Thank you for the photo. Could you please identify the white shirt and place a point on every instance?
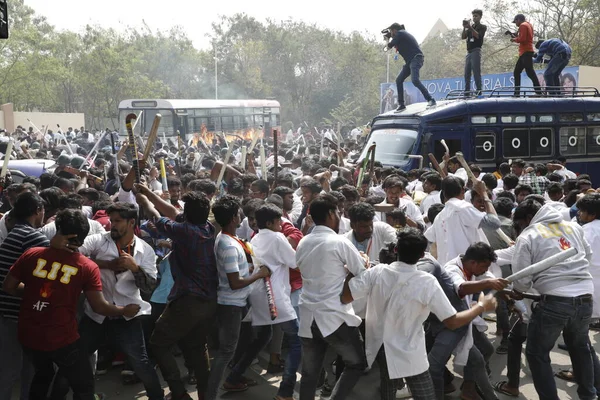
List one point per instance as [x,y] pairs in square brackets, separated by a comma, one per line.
[244,231]
[273,250]
[591,231]
[410,210]
[322,258]
[3,228]
[119,289]
[344,226]
[565,173]
[400,299]
[49,230]
[155,185]
[383,233]
[462,174]
[432,198]
[455,228]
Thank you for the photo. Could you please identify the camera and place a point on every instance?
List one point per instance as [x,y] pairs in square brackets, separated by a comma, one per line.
[512,35]
[387,34]
[466,22]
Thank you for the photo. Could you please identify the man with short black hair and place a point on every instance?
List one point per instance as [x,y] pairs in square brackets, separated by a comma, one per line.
[47,324]
[525,62]
[431,185]
[394,187]
[473,34]
[324,257]
[28,213]
[466,272]
[259,189]
[409,49]
[400,298]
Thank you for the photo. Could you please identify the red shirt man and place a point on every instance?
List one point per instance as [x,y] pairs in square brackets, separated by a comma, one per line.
[53,281]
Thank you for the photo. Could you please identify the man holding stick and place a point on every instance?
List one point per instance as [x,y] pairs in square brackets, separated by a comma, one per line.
[566,295]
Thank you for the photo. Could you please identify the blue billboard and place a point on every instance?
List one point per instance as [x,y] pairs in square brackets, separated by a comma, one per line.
[439,88]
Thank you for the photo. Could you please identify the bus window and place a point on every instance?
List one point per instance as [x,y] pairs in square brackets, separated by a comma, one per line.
[593,140]
[485,146]
[237,122]
[199,112]
[248,110]
[227,123]
[515,143]
[258,120]
[483,119]
[572,141]
[214,124]
[276,120]
[575,117]
[593,117]
[541,118]
[214,111]
[540,142]
[248,122]
[513,119]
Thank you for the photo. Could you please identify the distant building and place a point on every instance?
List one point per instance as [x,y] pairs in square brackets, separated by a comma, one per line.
[438,29]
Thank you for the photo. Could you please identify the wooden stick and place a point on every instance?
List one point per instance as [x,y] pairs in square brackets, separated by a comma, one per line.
[437,166]
[224,167]
[152,136]
[275,156]
[128,124]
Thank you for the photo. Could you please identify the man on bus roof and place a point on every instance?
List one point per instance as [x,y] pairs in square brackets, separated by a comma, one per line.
[557,53]
[525,62]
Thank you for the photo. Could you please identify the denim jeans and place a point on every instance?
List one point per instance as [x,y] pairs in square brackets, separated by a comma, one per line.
[551,316]
[14,363]
[292,361]
[473,64]
[295,299]
[348,343]
[411,69]
[73,365]
[475,370]
[129,337]
[229,319]
[553,70]
[186,321]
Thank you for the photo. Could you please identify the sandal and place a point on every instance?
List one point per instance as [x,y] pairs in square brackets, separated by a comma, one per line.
[499,387]
[565,374]
[235,387]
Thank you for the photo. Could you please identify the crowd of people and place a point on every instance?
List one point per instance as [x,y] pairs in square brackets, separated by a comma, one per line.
[223,254]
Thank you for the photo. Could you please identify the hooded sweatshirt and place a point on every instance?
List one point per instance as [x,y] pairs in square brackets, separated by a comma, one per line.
[542,239]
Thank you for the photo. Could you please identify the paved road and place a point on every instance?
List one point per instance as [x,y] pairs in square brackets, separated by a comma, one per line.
[367,387]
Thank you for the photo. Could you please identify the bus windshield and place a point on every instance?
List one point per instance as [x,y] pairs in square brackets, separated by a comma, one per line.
[166,122]
[393,145]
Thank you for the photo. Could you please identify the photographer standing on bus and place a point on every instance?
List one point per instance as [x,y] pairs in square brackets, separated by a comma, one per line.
[409,49]
[474,35]
[525,61]
[559,53]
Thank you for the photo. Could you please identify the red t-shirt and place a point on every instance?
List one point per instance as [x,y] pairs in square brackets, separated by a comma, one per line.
[53,280]
[289,230]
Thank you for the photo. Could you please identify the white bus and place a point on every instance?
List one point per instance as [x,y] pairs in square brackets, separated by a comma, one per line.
[191,117]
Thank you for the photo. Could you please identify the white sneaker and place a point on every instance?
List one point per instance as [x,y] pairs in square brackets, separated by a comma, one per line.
[403,393]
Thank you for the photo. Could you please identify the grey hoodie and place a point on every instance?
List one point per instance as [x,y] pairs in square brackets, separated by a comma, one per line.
[542,239]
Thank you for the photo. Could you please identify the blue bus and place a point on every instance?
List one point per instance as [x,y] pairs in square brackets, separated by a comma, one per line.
[494,127]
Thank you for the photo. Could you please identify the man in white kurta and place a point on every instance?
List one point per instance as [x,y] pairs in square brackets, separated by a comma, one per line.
[393,191]
[458,225]
[273,250]
[324,259]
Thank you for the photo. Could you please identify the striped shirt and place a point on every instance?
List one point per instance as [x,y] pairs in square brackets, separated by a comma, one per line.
[21,238]
[552,47]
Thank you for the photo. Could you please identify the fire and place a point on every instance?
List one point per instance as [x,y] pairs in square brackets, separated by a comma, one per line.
[246,134]
[564,243]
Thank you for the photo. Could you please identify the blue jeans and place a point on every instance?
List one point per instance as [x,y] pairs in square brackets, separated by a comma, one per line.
[292,361]
[129,337]
[444,344]
[14,363]
[230,320]
[411,69]
[473,64]
[552,74]
[348,343]
[551,316]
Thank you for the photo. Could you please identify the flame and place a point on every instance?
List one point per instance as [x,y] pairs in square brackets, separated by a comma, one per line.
[46,290]
[564,243]
[247,134]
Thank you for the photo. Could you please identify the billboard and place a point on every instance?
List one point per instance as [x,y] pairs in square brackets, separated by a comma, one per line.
[439,88]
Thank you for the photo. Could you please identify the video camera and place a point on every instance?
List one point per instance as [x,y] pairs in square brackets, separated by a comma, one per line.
[512,34]
[387,34]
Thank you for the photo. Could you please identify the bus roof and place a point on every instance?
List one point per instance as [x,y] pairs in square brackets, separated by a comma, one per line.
[193,103]
[452,108]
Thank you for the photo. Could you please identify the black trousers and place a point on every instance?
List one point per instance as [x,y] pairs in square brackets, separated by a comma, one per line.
[73,365]
[525,62]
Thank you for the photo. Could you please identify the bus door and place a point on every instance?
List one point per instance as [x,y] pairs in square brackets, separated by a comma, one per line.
[181,124]
[484,149]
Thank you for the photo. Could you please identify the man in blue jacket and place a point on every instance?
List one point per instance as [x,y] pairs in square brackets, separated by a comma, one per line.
[409,49]
[559,53]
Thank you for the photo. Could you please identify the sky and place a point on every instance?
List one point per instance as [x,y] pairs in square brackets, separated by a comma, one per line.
[195,17]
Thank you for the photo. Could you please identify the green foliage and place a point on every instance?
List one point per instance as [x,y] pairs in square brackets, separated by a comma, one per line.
[319,75]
